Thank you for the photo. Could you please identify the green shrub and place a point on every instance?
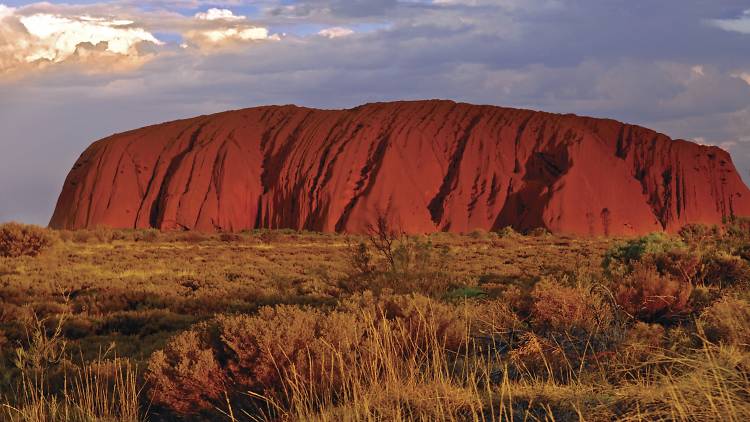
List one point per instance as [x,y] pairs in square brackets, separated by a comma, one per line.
[698,233]
[739,228]
[621,258]
[23,240]
[681,264]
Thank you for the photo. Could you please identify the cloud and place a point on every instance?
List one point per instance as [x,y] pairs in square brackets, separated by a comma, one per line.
[335,32]
[28,42]
[220,36]
[225,29]
[6,11]
[55,38]
[740,24]
[745,76]
[214,14]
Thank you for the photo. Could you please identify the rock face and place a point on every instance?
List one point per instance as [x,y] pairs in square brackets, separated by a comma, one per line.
[425,165]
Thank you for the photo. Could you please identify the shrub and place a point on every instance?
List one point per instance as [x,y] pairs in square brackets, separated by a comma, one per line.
[622,257]
[146,235]
[479,234]
[104,234]
[422,321]
[252,353]
[508,232]
[562,309]
[698,233]
[739,228]
[23,240]
[269,236]
[539,357]
[360,259]
[650,296]
[414,255]
[229,237]
[426,320]
[82,236]
[678,263]
[721,269]
[539,232]
[186,376]
[642,335]
[728,321]
[492,324]
[192,237]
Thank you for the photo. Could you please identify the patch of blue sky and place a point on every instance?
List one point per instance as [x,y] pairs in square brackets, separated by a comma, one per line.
[169,37]
[307,29]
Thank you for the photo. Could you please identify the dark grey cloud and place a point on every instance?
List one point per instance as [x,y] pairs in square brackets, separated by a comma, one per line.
[663,64]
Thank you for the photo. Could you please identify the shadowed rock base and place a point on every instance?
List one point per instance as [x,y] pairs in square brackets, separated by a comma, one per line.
[426,165]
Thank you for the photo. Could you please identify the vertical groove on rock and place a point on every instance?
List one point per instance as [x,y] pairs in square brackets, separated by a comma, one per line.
[437,204]
[156,212]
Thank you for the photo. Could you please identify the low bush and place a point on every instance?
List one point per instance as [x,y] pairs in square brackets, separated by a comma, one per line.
[649,296]
[508,232]
[642,340]
[23,240]
[268,353]
[539,232]
[229,237]
[186,376]
[269,236]
[681,264]
[722,270]
[728,321]
[621,258]
[696,234]
[252,353]
[538,357]
[359,259]
[572,310]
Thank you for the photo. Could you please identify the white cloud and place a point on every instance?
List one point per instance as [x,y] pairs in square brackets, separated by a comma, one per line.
[56,38]
[246,34]
[224,29]
[740,24]
[214,14]
[745,76]
[335,32]
[5,11]
[34,40]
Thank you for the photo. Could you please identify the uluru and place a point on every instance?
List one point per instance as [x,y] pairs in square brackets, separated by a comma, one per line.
[424,165]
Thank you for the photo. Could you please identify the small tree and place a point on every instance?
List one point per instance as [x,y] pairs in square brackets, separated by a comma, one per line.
[384,239]
[23,240]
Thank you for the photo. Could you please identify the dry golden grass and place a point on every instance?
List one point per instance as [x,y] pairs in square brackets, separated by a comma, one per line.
[278,325]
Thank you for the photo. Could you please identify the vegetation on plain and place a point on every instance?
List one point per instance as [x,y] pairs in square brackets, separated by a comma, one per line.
[135,325]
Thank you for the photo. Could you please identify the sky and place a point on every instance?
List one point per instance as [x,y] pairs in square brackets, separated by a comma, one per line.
[76,71]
